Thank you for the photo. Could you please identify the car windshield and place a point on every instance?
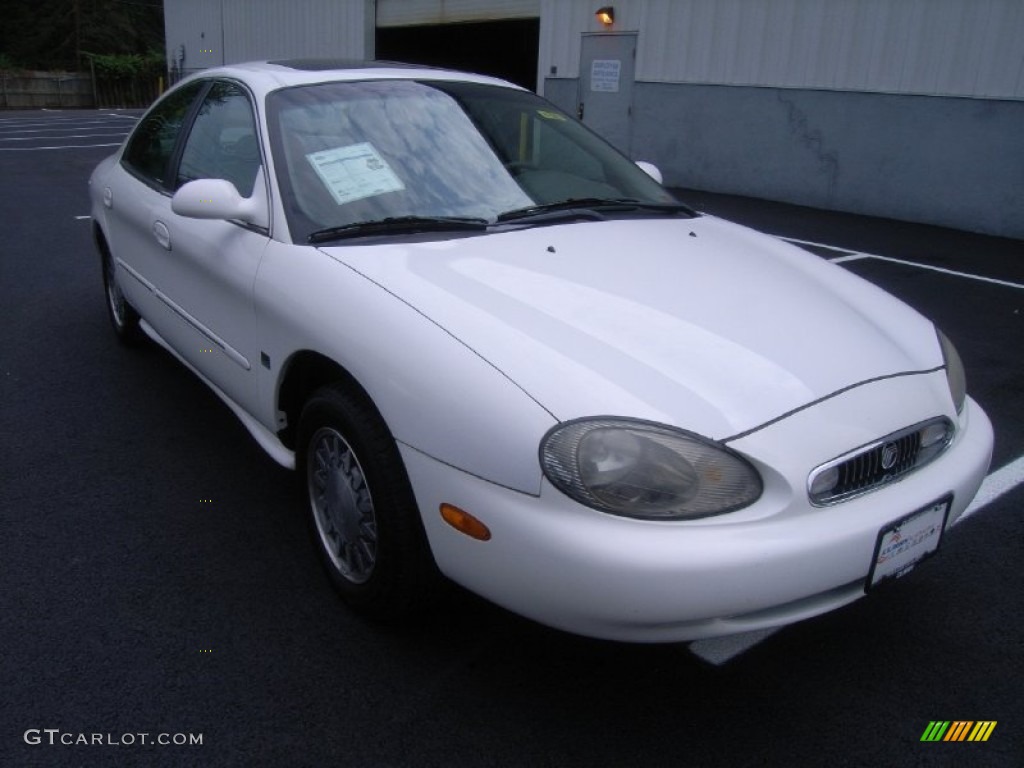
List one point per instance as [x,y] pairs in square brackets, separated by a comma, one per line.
[347,153]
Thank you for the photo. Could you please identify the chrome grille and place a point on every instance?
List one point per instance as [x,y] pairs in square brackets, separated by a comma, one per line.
[878,463]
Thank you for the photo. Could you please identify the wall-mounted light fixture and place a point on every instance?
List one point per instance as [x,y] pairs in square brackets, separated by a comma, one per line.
[606,15]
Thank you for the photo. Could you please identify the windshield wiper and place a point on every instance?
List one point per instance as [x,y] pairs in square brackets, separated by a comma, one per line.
[399,225]
[594,206]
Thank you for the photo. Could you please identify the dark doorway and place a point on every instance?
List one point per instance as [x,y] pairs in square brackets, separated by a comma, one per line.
[506,49]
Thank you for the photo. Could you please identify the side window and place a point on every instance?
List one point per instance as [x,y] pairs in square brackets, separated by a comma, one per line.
[150,147]
[222,143]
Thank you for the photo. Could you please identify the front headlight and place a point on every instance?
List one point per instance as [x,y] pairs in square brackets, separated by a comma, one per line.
[639,469]
[954,371]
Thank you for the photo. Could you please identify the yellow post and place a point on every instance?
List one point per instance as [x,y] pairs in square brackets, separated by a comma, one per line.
[524,124]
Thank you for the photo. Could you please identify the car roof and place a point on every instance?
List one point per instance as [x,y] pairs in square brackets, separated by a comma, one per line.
[262,77]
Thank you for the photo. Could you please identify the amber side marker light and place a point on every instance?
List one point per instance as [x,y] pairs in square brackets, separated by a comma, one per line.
[464,522]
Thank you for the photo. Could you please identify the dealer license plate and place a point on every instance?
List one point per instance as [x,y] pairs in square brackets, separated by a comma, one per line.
[905,543]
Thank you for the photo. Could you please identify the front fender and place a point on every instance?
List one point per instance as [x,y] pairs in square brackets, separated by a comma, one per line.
[436,395]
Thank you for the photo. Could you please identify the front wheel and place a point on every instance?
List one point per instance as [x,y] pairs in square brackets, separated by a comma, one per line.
[363,515]
[123,316]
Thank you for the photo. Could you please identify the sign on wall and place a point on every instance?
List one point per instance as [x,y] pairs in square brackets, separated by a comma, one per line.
[604,75]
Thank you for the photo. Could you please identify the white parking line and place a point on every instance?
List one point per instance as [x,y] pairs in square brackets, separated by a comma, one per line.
[70,146]
[981,278]
[90,128]
[58,138]
[998,483]
[28,126]
[797,241]
[851,255]
[719,650]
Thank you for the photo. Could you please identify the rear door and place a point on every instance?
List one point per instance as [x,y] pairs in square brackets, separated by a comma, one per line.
[136,194]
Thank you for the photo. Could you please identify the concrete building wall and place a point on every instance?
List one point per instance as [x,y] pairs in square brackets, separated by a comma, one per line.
[401,13]
[911,109]
[971,48]
[208,33]
[947,161]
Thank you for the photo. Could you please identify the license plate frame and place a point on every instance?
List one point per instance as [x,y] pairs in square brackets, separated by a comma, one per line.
[904,543]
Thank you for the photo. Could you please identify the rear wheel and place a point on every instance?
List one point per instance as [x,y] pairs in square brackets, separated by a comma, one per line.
[363,515]
[123,316]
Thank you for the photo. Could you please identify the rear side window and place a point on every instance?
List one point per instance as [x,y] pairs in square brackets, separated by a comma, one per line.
[150,147]
[222,143]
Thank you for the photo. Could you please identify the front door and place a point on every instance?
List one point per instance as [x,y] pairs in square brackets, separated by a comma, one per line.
[607,63]
[210,265]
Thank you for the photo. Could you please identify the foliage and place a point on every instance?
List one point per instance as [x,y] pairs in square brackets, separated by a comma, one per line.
[7,63]
[55,34]
[123,66]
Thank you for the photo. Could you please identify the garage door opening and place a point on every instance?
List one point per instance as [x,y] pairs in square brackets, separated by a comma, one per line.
[506,49]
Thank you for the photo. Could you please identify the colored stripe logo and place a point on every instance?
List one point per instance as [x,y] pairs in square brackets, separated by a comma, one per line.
[958,730]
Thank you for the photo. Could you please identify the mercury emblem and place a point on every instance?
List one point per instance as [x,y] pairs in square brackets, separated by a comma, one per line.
[889,455]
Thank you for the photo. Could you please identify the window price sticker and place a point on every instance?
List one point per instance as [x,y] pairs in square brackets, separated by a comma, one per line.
[354,172]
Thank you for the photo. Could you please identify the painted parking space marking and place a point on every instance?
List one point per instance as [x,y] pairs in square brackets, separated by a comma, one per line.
[850,255]
[58,138]
[997,484]
[953,272]
[719,650]
[27,126]
[60,130]
[51,132]
[67,146]
[57,130]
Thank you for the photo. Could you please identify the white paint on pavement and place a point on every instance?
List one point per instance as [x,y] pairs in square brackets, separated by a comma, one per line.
[952,272]
[851,255]
[69,146]
[59,138]
[998,483]
[719,650]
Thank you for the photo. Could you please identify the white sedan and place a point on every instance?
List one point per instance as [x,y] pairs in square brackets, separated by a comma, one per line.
[496,349]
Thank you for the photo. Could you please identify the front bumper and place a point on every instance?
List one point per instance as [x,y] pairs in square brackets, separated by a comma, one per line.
[776,562]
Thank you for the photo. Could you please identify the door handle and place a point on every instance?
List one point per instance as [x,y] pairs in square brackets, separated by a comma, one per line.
[162,234]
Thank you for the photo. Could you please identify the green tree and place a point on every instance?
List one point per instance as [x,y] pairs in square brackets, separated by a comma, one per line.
[56,34]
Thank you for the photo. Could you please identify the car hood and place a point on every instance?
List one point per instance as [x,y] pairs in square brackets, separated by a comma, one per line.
[698,323]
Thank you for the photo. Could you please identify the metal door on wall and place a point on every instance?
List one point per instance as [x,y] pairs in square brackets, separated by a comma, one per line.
[605,100]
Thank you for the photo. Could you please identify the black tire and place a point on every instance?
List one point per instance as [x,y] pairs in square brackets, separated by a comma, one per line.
[363,517]
[123,317]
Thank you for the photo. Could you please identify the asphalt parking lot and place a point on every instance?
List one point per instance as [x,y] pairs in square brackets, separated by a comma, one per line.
[156,580]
